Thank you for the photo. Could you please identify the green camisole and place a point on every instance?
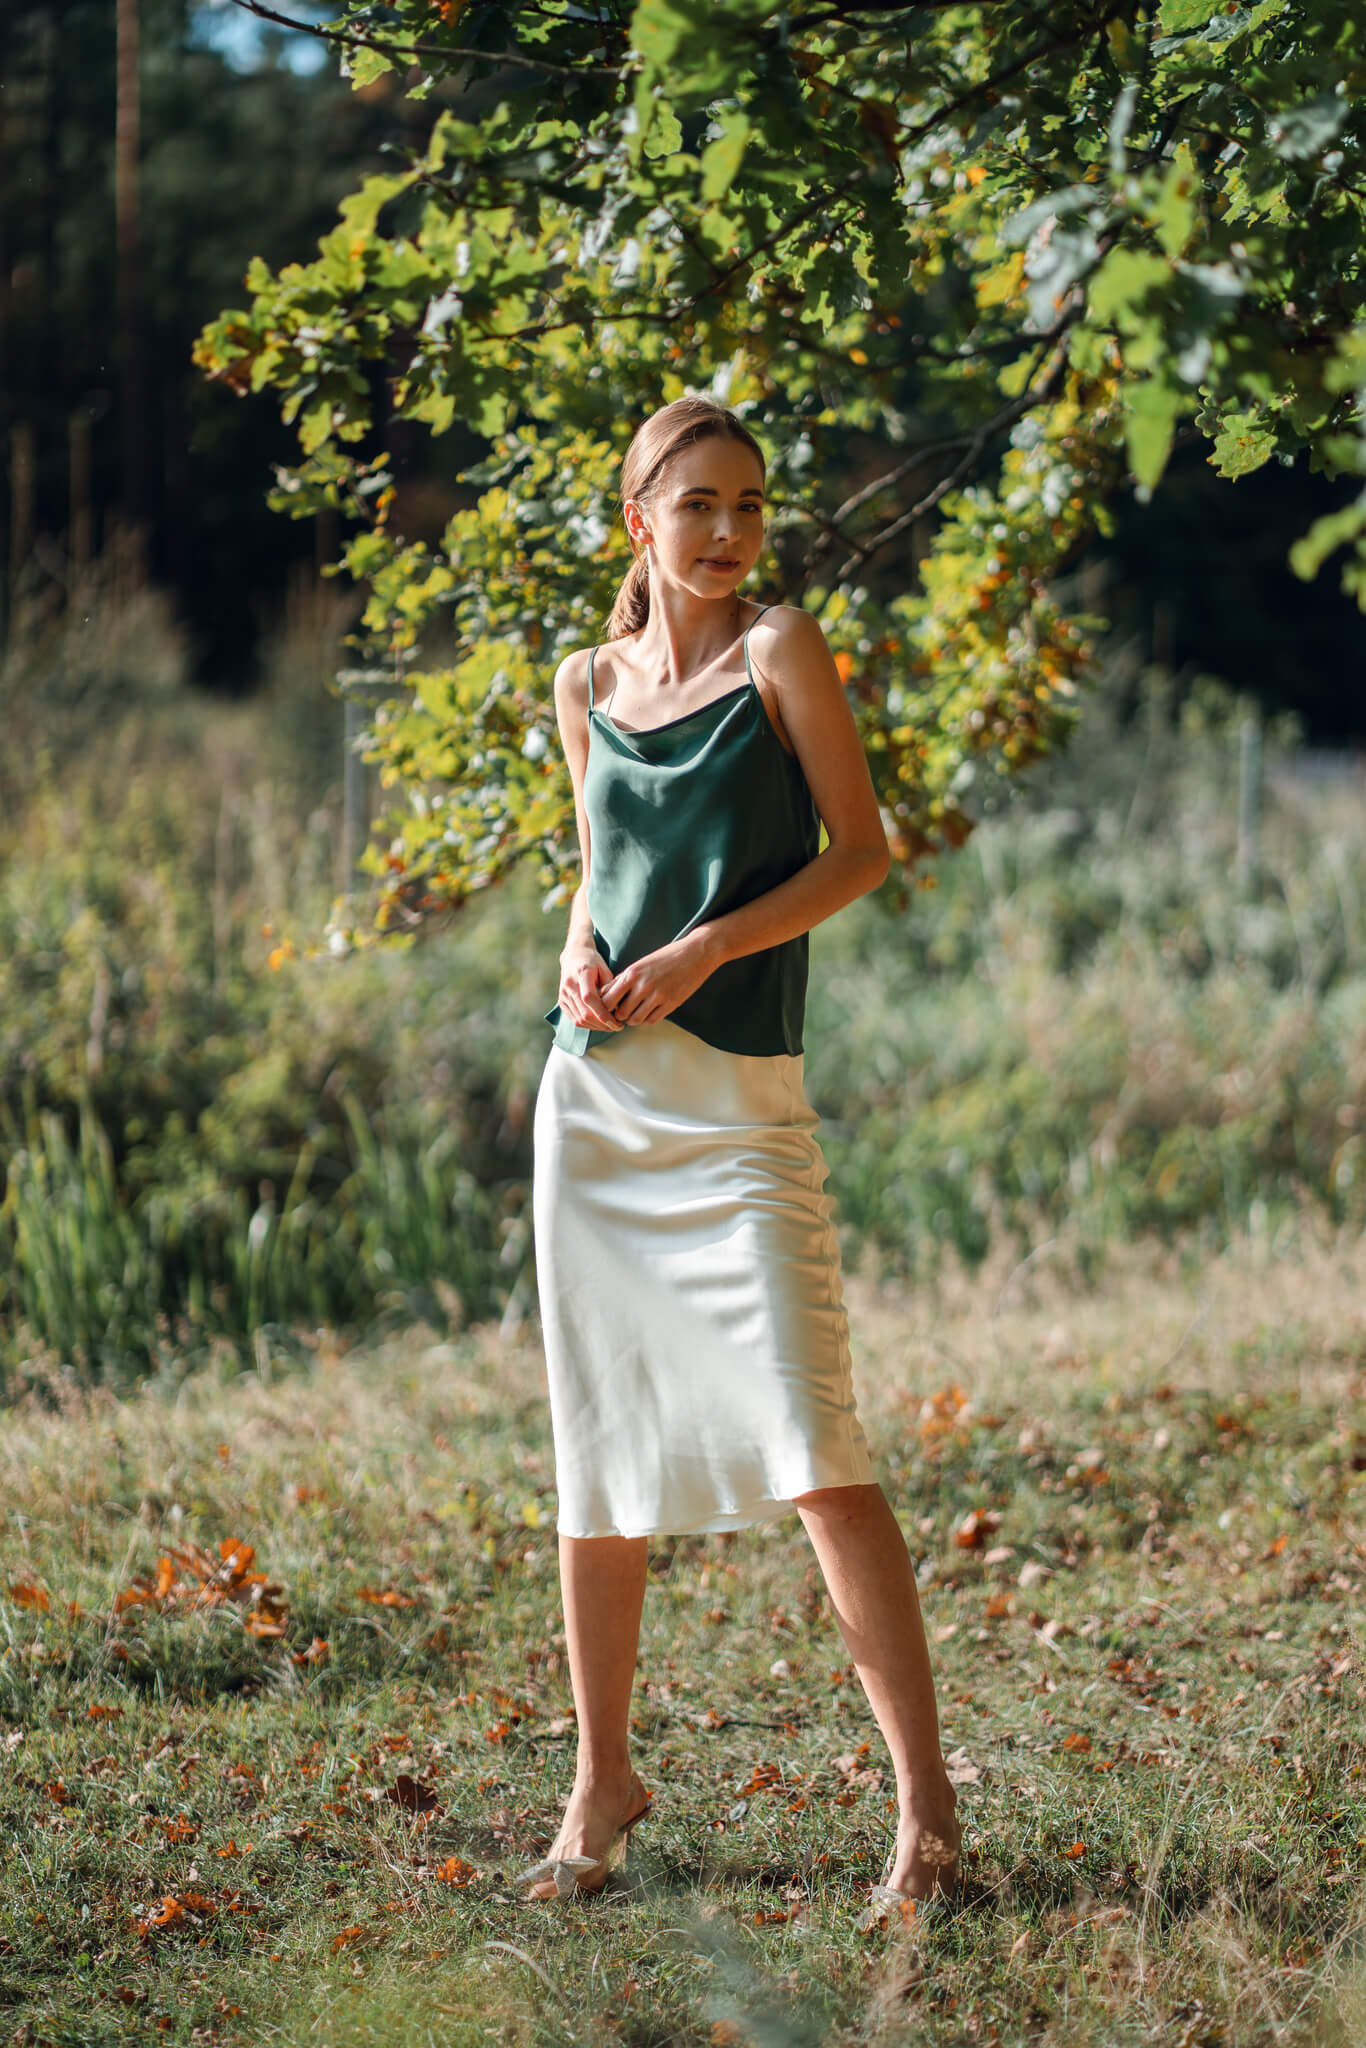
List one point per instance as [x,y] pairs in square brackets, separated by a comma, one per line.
[686,821]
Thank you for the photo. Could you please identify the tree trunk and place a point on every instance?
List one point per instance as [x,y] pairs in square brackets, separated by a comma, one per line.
[23,470]
[78,509]
[6,367]
[132,369]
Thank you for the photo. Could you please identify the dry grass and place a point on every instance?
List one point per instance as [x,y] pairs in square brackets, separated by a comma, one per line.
[1156,1656]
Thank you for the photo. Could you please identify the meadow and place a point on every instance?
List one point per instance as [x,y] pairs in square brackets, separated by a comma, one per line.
[283,1702]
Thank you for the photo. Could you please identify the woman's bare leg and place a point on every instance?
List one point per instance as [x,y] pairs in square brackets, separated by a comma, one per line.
[862,1553]
[602,1580]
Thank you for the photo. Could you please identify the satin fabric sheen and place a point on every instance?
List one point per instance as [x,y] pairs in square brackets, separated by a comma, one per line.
[687,821]
[696,1339]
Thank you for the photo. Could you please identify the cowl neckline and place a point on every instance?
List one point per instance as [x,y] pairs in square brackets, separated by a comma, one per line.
[647,732]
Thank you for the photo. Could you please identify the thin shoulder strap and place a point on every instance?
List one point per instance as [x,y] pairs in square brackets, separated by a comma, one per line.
[591,652]
[748,630]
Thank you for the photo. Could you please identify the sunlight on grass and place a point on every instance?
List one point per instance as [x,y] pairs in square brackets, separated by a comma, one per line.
[1139,1522]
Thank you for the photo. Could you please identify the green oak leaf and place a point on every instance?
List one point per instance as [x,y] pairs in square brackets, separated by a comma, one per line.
[1242,444]
[1151,409]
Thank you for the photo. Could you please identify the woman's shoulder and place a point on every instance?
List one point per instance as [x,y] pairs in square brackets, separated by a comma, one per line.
[571,677]
[784,624]
[784,637]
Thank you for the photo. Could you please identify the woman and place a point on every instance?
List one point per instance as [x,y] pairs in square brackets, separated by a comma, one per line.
[696,1340]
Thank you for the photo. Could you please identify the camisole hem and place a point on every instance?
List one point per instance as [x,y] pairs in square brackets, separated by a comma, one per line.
[591,1038]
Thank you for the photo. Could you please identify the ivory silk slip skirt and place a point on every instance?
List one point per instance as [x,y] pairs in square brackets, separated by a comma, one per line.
[696,1339]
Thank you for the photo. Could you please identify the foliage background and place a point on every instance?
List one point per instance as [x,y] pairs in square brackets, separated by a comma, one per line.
[971,263]
[244,152]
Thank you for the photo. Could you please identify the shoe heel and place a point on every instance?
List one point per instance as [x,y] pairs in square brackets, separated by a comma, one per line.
[628,1827]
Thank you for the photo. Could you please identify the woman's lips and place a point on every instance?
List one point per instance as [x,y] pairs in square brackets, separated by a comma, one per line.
[720,561]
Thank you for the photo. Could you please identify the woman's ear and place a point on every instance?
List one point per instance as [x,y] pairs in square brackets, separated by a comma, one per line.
[636,525]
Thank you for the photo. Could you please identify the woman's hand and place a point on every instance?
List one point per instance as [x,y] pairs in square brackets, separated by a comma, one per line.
[583,972]
[651,987]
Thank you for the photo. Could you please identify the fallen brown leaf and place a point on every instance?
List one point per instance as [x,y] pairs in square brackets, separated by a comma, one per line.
[940,1412]
[975,1527]
[189,1576]
[412,1796]
[173,1910]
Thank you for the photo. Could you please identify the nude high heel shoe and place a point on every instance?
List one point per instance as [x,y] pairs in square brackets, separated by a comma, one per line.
[572,1874]
[887,1898]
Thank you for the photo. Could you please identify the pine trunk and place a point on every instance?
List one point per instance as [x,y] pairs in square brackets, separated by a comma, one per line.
[132,369]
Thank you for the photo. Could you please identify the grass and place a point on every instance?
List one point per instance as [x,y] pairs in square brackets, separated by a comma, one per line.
[289,1809]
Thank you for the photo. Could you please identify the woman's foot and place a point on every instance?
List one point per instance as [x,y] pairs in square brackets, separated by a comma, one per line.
[596,1813]
[924,1863]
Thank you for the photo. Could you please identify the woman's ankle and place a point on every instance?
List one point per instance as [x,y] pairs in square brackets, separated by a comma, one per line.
[602,1780]
[928,1800]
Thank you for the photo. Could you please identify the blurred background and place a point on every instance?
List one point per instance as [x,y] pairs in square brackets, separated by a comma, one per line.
[1134,1003]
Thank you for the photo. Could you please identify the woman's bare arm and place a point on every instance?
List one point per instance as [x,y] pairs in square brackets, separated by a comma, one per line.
[800,669]
[583,971]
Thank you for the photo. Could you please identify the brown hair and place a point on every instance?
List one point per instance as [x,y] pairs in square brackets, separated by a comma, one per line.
[675,426]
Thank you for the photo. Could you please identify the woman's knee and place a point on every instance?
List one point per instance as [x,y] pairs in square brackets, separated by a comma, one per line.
[846,1502]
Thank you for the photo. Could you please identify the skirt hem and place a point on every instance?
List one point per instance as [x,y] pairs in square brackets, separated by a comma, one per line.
[768,1509]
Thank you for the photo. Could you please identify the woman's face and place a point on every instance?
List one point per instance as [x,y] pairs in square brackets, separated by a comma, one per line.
[704,518]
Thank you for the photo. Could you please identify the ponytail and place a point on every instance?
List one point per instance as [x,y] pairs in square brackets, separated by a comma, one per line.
[632,607]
